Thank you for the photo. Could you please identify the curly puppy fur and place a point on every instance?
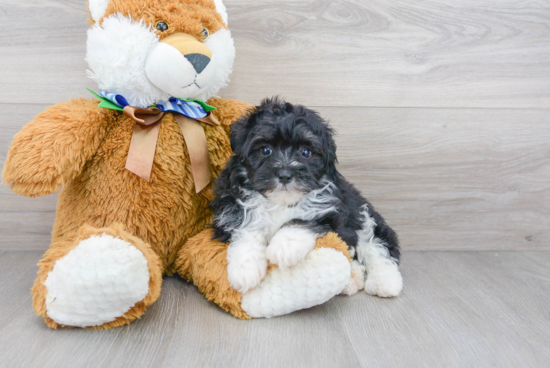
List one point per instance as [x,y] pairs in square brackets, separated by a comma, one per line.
[281,190]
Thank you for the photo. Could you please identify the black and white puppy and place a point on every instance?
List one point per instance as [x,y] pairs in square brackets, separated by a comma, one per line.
[280,191]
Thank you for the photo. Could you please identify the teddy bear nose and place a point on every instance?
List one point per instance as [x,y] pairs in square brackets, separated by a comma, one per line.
[198,61]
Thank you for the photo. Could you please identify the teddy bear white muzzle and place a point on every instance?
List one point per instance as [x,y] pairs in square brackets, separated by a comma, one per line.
[127,57]
[179,65]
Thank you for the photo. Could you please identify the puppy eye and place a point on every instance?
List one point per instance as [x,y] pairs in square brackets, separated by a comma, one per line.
[305,152]
[205,34]
[161,25]
[266,151]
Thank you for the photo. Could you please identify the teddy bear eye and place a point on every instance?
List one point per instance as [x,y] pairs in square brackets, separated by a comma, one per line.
[266,151]
[205,34]
[161,25]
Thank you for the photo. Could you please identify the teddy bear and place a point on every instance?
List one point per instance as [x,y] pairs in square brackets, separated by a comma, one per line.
[136,163]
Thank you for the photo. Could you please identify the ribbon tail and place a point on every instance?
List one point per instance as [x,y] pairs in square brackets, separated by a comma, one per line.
[142,150]
[209,119]
[197,147]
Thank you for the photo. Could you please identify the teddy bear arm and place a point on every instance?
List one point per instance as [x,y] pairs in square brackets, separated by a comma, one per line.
[54,146]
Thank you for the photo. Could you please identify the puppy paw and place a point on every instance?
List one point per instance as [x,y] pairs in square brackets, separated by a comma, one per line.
[384,281]
[356,281]
[290,245]
[245,268]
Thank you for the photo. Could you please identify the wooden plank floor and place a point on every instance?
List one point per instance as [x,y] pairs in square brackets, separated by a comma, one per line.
[458,309]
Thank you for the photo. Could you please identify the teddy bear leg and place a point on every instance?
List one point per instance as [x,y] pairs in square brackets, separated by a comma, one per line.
[324,273]
[97,278]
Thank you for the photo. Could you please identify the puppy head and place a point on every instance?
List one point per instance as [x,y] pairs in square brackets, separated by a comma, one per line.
[286,149]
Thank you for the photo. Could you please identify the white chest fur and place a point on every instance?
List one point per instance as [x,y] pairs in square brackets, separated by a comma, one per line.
[259,237]
[268,214]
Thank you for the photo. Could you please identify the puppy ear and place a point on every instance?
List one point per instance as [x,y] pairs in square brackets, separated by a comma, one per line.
[239,132]
[235,137]
[330,155]
[325,133]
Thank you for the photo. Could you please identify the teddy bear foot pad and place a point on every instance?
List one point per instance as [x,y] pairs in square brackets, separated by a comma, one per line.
[97,282]
[322,275]
[96,278]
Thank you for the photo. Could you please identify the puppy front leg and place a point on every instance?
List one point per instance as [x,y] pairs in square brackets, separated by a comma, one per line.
[293,242]
[246,260]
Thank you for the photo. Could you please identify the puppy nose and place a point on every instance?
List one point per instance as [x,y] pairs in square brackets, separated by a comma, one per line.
[285,176]
[198,61]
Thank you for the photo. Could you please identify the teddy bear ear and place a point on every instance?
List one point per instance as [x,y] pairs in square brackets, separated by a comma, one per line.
[220,8]
[97,8]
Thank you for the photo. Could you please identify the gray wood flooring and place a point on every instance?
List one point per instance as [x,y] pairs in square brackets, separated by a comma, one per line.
[458,309]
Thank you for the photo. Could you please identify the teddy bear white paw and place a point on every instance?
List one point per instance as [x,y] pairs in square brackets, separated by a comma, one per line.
[246,266]
[290,245]
[96,282]
[322,275]
[384,281]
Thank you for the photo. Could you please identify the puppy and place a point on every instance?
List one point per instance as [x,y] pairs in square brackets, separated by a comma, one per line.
[280,191]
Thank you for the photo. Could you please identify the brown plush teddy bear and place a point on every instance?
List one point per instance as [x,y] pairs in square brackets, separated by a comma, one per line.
[135,167]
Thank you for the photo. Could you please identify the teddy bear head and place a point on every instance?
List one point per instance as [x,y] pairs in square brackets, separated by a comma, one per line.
[151,50]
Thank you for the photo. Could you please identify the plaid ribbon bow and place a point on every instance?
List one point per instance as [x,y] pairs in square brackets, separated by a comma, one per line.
[187,113]
[191,108]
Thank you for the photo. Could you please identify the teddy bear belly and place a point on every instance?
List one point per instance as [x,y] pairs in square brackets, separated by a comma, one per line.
[163,212]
